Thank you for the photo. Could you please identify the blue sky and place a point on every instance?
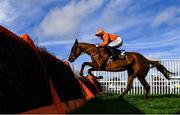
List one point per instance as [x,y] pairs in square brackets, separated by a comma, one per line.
[151,27]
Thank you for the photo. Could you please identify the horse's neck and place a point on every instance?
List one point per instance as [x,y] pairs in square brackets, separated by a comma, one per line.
[86,48]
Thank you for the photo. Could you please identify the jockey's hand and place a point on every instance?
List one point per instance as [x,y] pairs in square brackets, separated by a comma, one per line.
[99,46]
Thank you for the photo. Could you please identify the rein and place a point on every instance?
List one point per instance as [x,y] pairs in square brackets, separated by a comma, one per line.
[94,53]
[88,50]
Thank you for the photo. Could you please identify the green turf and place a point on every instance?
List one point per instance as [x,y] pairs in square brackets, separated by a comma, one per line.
[167,104]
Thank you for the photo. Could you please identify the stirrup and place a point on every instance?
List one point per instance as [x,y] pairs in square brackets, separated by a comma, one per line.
[113,58]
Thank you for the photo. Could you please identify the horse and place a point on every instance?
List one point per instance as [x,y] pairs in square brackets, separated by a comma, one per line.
[136,64]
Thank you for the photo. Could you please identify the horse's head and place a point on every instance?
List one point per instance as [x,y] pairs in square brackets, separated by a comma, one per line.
[75,52]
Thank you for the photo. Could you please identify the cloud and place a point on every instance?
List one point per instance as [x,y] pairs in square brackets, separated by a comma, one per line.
[6,16]
[170,15]
[53,43]
[155,44]
[165,40]
[81,19]
[113,9]
[21,15]
[64,22]
[112,17]
[107,17]
[157,55]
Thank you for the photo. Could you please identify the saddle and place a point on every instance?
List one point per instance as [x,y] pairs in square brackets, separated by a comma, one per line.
[116,53]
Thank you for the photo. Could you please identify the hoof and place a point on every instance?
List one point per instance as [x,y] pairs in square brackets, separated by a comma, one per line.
[99,77]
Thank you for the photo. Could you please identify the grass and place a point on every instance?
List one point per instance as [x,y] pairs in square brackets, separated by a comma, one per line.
[158,104]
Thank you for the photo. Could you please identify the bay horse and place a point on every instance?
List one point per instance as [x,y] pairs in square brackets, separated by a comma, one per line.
[135,64]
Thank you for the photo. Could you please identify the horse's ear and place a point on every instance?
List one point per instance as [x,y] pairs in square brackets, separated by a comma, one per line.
[76,41]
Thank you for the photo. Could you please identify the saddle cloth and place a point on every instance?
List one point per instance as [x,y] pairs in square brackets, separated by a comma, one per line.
[122,54]
[119,54]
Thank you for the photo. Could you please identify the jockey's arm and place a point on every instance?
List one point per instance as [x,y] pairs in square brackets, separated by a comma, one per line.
[103,45]
[105,41]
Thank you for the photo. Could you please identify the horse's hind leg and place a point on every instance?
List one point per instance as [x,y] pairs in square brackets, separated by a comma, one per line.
[129,85]
[145,85]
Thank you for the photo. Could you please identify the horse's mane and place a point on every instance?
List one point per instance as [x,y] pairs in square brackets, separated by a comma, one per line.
[90,45]
[86,43]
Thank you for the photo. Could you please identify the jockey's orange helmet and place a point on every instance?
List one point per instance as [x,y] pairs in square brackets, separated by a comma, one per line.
[99,32]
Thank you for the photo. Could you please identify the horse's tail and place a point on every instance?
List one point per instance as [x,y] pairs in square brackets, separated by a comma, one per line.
[161,68]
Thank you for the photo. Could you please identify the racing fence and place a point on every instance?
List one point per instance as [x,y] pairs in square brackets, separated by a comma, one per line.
[116,82]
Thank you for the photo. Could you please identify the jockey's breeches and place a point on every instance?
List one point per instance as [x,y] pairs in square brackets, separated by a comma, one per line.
[117,43]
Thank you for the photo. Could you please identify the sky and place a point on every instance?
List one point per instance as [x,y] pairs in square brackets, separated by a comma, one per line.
[150,27]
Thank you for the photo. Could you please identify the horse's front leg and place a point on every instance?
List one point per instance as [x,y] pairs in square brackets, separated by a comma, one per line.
[90,73]
[83,65]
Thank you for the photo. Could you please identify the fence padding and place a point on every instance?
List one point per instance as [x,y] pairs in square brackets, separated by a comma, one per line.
[88,94]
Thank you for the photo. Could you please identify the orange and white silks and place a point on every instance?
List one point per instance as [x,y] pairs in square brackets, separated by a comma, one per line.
[109,39]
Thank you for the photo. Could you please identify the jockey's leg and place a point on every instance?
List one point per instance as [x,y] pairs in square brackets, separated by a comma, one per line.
[112,53]
[117,43]
[112,47]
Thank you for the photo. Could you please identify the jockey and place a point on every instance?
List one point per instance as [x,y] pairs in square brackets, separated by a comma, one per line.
[110,41]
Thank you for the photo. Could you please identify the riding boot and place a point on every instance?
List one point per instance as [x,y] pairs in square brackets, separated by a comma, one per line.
[112,53]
